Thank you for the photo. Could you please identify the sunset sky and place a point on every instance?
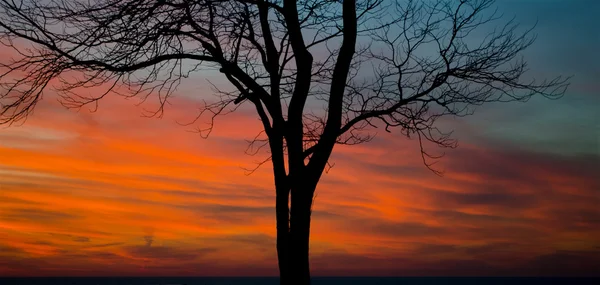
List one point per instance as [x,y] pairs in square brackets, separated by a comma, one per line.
[114,193]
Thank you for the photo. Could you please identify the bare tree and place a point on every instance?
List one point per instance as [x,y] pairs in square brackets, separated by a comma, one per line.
[369,64]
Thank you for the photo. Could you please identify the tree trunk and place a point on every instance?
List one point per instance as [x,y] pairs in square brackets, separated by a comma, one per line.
[282,212]
[293,238]
[299,235]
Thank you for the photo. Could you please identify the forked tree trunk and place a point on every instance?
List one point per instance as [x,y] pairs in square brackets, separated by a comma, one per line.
[293,240]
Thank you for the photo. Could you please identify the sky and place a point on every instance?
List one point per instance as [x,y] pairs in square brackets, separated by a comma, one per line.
[113,193]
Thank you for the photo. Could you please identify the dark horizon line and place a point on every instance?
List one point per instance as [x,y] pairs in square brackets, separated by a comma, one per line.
[277,277]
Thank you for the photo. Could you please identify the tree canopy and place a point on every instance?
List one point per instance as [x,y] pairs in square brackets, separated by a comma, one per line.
[373,63]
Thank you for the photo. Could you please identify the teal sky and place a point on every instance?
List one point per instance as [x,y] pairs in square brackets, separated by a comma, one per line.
[568,44]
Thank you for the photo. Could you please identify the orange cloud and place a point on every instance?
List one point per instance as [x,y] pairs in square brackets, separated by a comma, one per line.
[114,193]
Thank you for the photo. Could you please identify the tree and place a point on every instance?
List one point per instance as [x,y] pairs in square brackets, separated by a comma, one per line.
[370,64]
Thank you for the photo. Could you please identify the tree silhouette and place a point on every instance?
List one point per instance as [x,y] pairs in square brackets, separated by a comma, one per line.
[369,64]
